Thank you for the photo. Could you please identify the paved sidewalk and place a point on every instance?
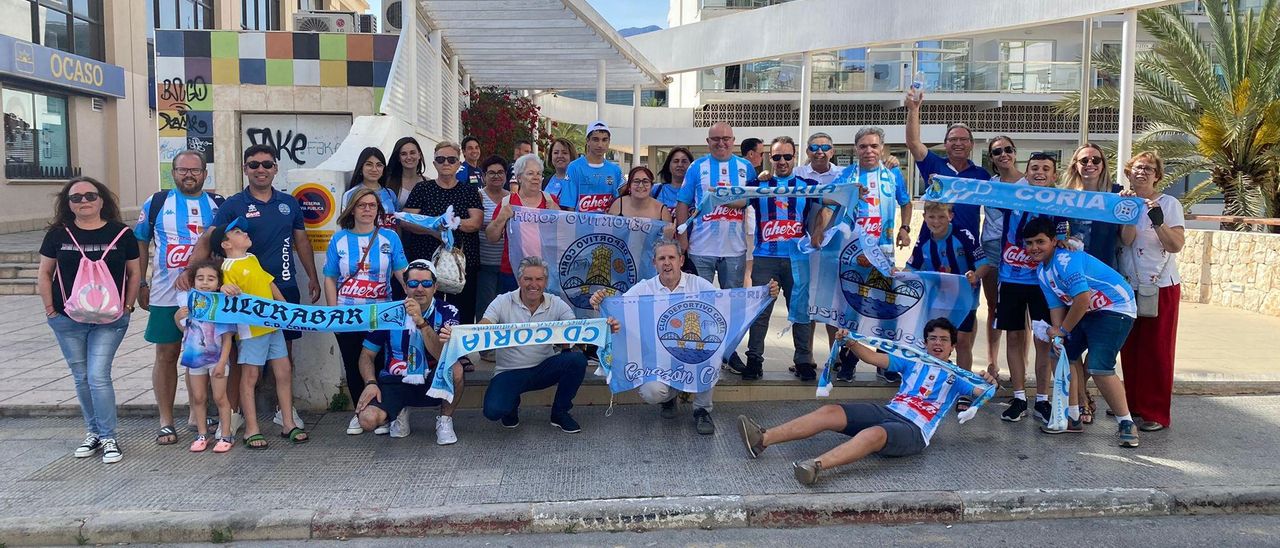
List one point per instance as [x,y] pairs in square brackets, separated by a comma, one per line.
[1215,344]
[630,466]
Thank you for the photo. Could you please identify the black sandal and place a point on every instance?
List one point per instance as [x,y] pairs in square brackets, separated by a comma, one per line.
[166,431]
[467,366]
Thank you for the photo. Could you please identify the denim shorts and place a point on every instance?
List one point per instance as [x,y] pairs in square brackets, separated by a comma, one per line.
[1102,333]
[257,351]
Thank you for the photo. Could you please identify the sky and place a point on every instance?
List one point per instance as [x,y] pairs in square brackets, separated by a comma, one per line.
[619,13]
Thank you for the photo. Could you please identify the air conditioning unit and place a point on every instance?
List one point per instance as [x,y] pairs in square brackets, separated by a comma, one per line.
[367,23]
[392,16]
[324,21]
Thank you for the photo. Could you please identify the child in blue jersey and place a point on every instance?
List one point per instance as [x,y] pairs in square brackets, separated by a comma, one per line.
[1092,308]
[901,428]
[953,250]
[593,181]
[206,353]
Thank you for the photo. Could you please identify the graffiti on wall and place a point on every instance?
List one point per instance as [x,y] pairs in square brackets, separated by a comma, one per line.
[300,140]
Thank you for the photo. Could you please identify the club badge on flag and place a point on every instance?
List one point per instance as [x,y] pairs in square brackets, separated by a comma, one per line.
[465,339]
[585,252]
[692,332]
[1075,204]
[251,310]
[863,300]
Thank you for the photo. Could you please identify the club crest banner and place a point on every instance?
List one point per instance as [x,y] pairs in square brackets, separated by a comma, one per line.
[864,300]
[1075,204]
[692,332]
[585,252]
[465,339]
[251,310]
[912,354]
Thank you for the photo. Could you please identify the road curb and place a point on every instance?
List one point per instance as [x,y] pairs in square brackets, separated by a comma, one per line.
[636,514]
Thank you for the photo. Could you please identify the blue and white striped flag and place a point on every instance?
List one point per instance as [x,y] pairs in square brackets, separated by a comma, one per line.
[585,252]
[863,300]
[692,331]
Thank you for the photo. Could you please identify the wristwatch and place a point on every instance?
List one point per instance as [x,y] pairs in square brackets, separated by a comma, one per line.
[373,381]
[906,228]
[144,284]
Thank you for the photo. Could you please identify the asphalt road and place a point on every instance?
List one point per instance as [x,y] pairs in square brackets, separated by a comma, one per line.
[1216,531]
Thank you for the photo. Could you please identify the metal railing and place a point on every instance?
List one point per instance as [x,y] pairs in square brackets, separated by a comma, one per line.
[837,76]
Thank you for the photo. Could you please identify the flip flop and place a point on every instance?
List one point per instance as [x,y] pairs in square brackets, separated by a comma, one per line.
[249,442]
[166,431]
[293,436]
[224,445]
[467,366]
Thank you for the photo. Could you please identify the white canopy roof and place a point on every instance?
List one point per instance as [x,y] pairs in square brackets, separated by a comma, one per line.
[537,44]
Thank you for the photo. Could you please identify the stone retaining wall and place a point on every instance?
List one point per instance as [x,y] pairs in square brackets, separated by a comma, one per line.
[1233,269]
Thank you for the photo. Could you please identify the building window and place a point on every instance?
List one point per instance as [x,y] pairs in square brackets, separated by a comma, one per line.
[182,14]
[945,64]
[73,26]
[260,14]
[36,135]
[1026,65]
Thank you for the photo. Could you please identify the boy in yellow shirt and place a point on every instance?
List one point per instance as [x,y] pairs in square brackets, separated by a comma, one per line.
[259,346]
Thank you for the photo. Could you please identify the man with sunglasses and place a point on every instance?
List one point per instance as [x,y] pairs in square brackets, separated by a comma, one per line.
[958,143]
[593,181]
[274,223]
[385,394]
[1019,294]
[716,241]
[779,223]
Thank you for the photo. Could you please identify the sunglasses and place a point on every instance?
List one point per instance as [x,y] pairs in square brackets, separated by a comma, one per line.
[816,148]
[86,197]
[1095,160]
[254,164]
[412,284]
[446,160]
[782,157]
[1001,151]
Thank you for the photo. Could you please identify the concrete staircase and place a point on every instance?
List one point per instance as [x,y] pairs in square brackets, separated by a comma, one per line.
[18,272]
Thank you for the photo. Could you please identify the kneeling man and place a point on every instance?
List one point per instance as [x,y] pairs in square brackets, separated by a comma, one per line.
[901,428]
[385,395]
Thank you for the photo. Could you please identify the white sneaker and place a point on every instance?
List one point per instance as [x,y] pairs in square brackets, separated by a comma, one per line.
[353,427]
[444,431]
[400,426]
[382,429]
[297,420]
[110,451]
[237,421]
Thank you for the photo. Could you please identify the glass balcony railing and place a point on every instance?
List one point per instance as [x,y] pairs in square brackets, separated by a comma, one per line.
[893,76]
[739,4]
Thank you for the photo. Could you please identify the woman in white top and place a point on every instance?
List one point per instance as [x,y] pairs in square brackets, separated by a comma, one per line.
[1148,258]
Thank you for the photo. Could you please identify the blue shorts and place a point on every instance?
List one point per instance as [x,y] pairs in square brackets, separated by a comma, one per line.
[1102,333]
[257,351]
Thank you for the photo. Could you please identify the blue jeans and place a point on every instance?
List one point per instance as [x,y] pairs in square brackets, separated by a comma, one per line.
[564,371]
[489,280]
[730,269]
[89,349]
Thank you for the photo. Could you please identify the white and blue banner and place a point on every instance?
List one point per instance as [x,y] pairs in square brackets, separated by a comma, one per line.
[250,310]
[445,224]
[864,300]
[692,332]
[585,252]
[912,354]
[1061,387]
[844,194]
[465,339]
[1075,204]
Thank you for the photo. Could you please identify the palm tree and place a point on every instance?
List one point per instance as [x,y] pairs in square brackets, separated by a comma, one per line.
[1208,106]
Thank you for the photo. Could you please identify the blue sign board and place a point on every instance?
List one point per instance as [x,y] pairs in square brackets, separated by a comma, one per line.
[34,62]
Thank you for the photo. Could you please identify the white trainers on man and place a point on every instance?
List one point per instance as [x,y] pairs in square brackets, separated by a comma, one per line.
[444,431]
[400,426]
[353,427]
[297,420]
[237,421]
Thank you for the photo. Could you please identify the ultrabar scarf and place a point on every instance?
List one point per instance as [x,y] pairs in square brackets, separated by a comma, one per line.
[465,339]
[251,310]
[1075,204]
[912,354]
[692,331]
[445,223]
[584,252]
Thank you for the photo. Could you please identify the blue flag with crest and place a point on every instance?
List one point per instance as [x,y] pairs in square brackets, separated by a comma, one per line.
[678,338]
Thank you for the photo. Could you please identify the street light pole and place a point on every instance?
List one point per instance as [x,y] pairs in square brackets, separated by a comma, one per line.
[1128,50]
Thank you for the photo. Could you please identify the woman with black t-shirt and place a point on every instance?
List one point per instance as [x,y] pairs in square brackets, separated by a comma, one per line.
[432,198]
[86,225]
